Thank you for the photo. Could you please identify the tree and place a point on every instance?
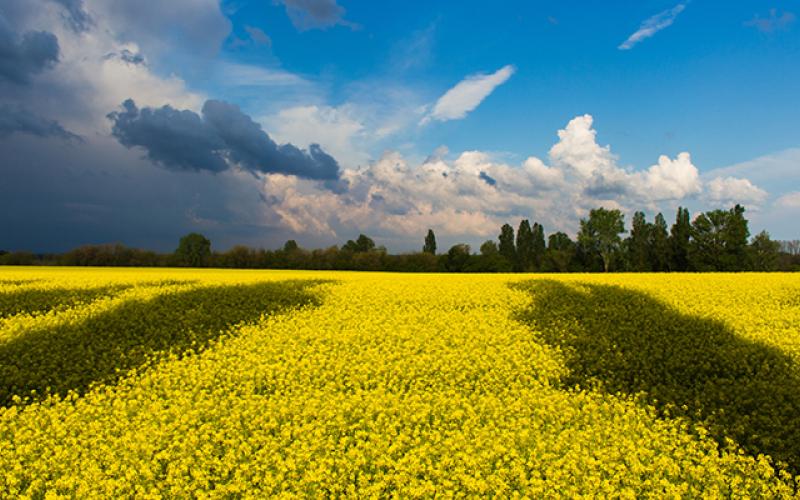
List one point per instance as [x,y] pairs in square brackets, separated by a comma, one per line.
[764,253]
[638,243]
[430,243]
[679,237]
[659,245]
[539,246]
[707,246]
[291,246]
[560,251]
[600,233]
[736,236]
[506,247]
[524,246]
[489,248]
[719,241]
[193,250]
[362,244]
[457,258]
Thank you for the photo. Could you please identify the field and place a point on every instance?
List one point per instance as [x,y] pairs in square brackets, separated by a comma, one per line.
[172,383]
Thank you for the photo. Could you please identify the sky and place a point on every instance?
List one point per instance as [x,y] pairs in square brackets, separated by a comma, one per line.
[257,121]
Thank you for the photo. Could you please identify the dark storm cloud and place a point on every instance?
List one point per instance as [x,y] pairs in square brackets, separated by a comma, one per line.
[183,140]
[76,16]
[22,57]
[310,14]
[487,179]
[175,139]
[15,119]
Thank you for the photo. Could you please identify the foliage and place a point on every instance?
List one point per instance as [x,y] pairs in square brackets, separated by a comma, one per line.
[600,234]
[193,250]
[430,243]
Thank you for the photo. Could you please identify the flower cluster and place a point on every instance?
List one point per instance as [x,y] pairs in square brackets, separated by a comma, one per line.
[358,384]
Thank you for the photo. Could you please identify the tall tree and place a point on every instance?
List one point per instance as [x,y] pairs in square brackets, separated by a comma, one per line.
[194,250]
[539,246]
[659,245]
[736,237]
[600,233]
[764,253]
[560,251]
[506,247]
[430,243]
[707,246]
[679,241]
[638,244]
[524,246]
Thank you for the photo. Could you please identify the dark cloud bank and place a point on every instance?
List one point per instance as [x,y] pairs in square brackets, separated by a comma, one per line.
[14,118]
[21,57]
[221,136]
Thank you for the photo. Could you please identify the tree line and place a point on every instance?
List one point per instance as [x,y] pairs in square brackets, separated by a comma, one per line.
[717,240]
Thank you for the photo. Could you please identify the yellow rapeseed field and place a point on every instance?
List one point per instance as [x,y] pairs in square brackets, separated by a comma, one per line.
[173,383]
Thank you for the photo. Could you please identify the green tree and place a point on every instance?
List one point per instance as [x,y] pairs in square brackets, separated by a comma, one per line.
[707,246]
[457,258]
[736,238]
[524,246]
[764,253]
[362,244]
[489,248]
[291,246]
[506,247]
[430,243]
[679,237]
[560,252]
[638,243]
[659,245]
[539,246]
[600,233]
[194,250]
[719,241]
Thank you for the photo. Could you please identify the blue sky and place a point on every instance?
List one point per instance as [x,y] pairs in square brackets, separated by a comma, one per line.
[564,105]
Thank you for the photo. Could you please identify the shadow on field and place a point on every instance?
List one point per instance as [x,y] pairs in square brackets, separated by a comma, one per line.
[42,300]
[626,341]
[102,348]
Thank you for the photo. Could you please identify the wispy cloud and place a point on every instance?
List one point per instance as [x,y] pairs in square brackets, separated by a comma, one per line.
[772,23]
[653,25]
[467,95]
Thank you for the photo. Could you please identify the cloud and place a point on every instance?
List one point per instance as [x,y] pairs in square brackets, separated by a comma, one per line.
[772,23]
[22,57]
[259,76]
[76,16]
[258,36]
[731,190]
[316,14]
[653,25]
[671,179]
[467,95]
[337,129]
[577,149]
[472,195]
[223,135]
[15,119]
[789,200]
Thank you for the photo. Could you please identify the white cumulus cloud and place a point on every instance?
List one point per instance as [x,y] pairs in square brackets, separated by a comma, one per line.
[734,190]
[471,196]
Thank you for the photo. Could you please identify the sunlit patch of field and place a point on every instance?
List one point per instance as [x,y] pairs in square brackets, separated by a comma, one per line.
[183,382]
